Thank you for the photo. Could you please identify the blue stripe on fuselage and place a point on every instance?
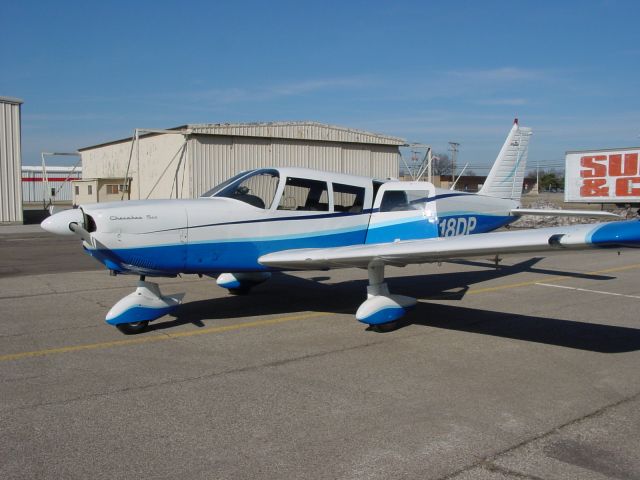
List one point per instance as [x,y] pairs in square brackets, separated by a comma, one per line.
[229,255]
[238,255]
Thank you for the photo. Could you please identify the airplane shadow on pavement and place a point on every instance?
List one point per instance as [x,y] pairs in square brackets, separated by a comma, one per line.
[288,294]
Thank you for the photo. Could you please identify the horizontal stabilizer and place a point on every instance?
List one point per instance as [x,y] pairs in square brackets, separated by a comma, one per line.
[563,213]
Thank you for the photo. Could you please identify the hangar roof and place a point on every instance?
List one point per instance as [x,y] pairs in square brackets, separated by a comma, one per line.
[11,100]
[287,130]
[297,131]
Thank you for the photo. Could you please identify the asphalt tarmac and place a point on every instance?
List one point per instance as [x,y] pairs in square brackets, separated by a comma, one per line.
[528,371]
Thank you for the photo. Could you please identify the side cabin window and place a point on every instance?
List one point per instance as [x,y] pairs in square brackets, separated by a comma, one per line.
[347,198]
[302,194]
[402,201]
[257,189]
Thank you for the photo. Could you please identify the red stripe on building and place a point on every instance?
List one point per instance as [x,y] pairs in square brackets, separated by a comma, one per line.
[51,179]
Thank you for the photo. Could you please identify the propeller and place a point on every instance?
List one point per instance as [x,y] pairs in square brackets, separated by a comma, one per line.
[80,231]
[67,222]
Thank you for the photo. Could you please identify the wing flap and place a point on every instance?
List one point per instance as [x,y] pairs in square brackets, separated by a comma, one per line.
[563,213]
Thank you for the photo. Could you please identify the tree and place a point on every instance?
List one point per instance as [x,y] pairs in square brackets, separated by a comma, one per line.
[550,179]
[442,164]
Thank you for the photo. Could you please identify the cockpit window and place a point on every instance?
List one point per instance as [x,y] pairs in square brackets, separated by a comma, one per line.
[257,188]
[220,186]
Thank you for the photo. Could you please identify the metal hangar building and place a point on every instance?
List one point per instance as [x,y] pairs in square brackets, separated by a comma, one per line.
[10,161]
[186,161]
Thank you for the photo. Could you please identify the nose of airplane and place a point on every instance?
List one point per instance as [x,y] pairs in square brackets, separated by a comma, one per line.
[59,223]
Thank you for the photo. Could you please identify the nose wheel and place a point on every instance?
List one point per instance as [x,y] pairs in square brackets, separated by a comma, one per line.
[133,328]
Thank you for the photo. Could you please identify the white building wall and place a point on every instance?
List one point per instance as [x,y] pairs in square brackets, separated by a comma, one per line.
[385,162]
[217,152]
[10,161]
[158,165]
[326,156]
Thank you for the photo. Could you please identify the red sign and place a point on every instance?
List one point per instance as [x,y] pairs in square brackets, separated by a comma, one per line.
[600,173]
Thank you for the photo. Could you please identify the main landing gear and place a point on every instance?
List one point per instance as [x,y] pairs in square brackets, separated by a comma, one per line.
[241,283]
[133,313]
[382,309]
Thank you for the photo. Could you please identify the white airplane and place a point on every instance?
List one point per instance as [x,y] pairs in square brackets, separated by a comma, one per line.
[276,219]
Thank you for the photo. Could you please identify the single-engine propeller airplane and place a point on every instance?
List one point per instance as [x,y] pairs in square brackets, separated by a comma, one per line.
[274,219]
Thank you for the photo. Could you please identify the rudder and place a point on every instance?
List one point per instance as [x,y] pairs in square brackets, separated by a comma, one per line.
[507,174]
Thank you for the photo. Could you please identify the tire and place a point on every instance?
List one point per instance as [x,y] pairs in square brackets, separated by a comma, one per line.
[385,327]
[239,291]
[133,328]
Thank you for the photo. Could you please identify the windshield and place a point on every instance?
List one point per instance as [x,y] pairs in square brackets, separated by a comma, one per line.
[220,186]
[257,188]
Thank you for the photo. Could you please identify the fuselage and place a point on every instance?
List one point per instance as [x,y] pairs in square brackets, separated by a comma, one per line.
[269,210]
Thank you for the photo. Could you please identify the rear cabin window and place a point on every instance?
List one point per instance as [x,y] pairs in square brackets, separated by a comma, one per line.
[347,198]
[302,194]
[401,201]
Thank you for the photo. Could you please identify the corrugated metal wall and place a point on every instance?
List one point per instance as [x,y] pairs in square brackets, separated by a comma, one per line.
[10,161]
[33,184]
[216,158]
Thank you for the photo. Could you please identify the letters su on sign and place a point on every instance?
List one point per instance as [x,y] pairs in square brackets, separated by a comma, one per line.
[601,173]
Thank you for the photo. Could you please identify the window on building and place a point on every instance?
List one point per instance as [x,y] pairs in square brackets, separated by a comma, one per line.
[76,189]
[112,189]
[90,189]
[347,198]
[304,194]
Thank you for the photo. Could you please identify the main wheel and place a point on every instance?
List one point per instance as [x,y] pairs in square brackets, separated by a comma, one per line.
[133,328]
[239,290]
[385,327]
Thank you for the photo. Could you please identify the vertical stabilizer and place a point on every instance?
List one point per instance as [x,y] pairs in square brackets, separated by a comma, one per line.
[507,174]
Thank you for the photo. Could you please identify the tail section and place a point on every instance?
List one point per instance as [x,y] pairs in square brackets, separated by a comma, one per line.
[507,174]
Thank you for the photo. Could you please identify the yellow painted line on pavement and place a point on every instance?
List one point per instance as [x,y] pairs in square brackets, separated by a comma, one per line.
[557,278]
[139,340]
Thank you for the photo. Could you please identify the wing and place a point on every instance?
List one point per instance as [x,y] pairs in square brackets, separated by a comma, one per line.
[611,234]
[563,213]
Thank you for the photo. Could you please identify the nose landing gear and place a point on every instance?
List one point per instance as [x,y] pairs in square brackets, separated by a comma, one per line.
[133,313]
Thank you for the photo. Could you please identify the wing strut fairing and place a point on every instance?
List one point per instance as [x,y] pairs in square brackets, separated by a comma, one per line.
[540,212]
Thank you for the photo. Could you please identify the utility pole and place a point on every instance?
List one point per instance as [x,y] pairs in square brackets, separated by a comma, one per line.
[453,148]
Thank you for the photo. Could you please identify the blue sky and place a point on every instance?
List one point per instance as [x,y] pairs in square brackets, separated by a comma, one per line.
[427,71]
